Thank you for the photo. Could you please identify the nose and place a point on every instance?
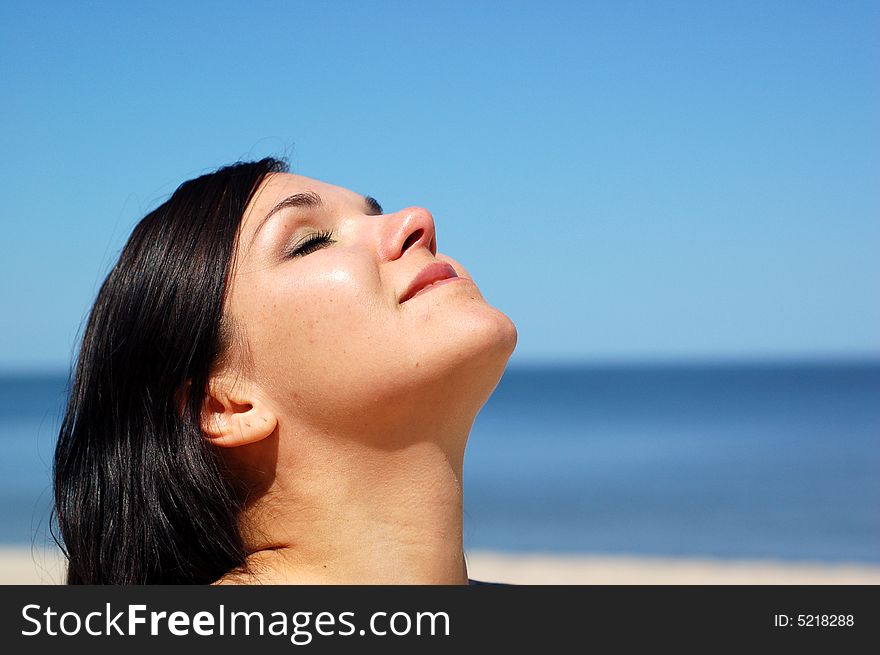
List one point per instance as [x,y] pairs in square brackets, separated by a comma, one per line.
[408,229]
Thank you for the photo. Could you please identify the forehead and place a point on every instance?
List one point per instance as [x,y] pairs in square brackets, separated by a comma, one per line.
[278,186]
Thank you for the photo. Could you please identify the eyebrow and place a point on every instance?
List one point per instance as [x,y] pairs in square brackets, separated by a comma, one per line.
[310,199]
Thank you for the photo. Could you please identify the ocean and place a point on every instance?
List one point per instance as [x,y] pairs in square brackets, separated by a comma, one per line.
[727,461]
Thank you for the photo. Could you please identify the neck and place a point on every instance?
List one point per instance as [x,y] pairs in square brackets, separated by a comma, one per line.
[350,513]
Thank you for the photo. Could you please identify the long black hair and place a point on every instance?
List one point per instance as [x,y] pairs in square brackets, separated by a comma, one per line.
[140,496]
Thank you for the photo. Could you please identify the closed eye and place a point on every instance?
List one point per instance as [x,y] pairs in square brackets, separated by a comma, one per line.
[311,243]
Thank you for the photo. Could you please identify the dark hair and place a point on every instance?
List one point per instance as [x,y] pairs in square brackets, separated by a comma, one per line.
[141,497]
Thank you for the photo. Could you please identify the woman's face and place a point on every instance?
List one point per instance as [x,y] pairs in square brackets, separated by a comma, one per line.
[341,329]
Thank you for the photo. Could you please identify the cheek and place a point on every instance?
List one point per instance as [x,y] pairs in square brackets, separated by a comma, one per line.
[308,326]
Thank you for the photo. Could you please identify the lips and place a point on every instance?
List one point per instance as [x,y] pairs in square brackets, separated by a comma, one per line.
[427,276]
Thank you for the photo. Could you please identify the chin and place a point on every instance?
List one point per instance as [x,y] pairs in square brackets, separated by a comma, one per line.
[494,341]
[496,334]
[471,353]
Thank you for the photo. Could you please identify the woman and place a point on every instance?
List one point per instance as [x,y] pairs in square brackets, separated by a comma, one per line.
[275,385]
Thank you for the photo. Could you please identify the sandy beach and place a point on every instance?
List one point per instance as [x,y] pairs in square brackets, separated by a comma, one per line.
[45,566]
[619,570]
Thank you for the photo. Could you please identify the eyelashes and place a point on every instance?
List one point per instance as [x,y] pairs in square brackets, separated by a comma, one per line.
[311,243]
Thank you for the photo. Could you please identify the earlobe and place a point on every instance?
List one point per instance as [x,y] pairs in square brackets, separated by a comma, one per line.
[231,419]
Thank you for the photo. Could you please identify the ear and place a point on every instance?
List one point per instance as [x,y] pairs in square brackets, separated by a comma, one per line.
[234,414]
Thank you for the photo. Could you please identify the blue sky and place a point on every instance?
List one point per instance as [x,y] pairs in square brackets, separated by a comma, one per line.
[627,180]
